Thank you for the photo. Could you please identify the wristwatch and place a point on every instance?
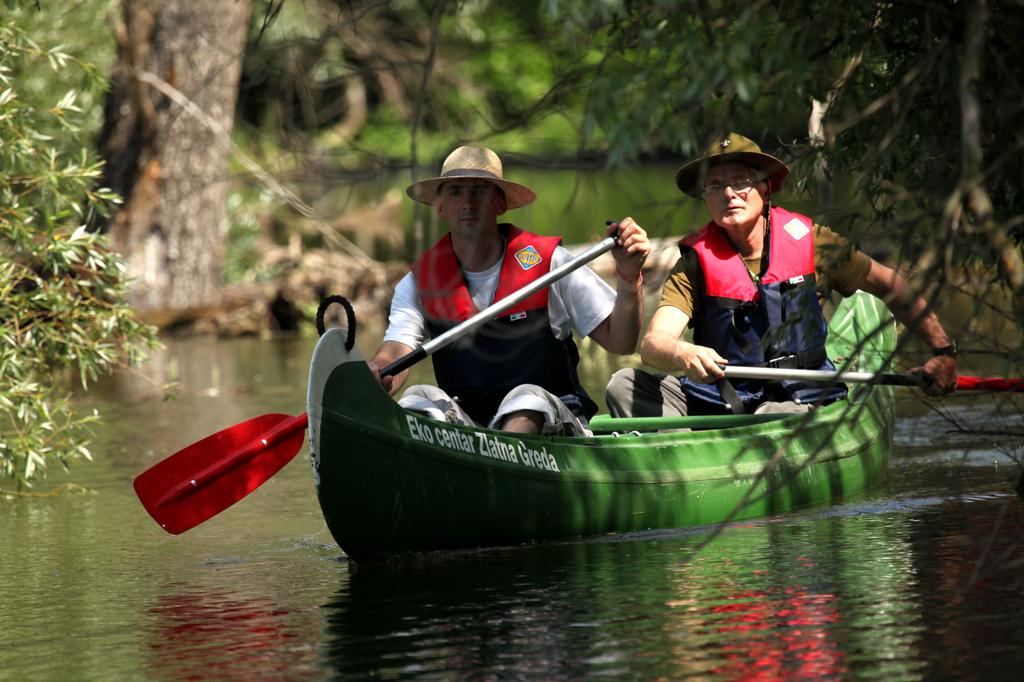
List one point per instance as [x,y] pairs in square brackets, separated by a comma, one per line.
[952,350]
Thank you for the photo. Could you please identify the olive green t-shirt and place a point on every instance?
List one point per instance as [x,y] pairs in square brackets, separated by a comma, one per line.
[838,266]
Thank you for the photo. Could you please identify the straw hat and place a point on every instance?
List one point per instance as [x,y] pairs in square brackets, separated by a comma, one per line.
[733,148]
[478,163]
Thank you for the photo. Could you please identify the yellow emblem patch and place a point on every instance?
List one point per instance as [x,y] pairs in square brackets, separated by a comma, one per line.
[528,257]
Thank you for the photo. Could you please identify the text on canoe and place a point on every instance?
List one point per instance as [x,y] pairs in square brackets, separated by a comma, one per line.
[480,443]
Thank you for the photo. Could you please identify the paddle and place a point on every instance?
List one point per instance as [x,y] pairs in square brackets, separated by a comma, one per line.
[207,477]
[963,383]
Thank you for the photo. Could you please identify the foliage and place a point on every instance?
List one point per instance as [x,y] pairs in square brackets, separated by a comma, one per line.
[921,114]
[63,313]
[374,84]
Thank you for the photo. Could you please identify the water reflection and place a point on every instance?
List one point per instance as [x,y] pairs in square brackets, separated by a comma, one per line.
[874,595]
[755,602]
[970,561]
[542,610]
[204,634]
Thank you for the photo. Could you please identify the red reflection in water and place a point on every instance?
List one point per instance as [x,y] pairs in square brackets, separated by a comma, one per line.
[204,634]
[779,635]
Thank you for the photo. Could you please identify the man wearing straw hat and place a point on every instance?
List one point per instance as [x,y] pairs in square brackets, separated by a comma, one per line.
[747,283]
[517,372]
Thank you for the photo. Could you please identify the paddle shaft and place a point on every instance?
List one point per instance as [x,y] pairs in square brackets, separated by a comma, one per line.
[818,375]
[490,312]
[963,383]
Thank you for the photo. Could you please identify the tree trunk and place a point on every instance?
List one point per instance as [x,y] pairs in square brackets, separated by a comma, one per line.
[168,114]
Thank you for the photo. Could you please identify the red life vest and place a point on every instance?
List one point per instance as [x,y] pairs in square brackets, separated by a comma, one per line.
[774,321]
[791,257]
[443,290]
[518,347]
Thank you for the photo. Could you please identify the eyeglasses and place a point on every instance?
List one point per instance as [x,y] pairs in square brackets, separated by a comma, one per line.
[740,186]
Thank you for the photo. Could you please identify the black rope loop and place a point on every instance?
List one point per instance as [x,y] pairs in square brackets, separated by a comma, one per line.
[351,314]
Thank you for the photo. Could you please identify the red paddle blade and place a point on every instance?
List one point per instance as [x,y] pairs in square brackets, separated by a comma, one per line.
[988,384]
[210,475]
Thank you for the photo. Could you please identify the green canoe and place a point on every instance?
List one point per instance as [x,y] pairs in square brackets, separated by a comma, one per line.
[390,481]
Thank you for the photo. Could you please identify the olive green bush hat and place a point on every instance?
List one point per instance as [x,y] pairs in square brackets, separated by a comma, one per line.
[478,163]
[733,148]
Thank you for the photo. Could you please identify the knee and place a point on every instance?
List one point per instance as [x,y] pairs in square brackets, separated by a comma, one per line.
[523,421]
[525,409]
[426,391]
[618,395]
[620,386]
[524,390]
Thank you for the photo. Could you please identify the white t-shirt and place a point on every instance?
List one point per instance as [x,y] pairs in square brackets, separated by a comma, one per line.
[581,300]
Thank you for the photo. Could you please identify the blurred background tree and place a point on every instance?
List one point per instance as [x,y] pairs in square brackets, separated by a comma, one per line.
[166,132]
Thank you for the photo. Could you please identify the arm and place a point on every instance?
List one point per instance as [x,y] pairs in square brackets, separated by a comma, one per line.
[618,333]
[887,284]
[388,352]
[404,333]
[663,348]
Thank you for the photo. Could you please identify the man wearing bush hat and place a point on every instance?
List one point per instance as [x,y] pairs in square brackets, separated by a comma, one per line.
[517,372]
[748,283]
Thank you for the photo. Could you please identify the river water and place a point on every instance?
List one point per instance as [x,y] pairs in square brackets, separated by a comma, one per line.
[918,579]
